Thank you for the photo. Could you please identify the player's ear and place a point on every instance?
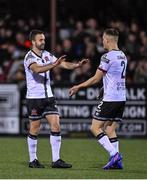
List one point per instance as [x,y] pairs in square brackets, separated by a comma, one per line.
[33,42]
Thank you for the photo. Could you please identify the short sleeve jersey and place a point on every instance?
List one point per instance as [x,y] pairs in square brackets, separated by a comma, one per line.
[38,84]
[114,64]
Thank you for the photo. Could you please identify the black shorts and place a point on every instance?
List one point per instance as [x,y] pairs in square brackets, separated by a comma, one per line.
[39,108]
[109,111]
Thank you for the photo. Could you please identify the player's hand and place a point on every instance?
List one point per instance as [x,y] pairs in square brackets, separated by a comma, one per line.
[73,90]
[82,62]
[60,60]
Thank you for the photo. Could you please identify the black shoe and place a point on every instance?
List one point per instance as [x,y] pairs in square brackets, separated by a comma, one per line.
[60,164]
[35,164]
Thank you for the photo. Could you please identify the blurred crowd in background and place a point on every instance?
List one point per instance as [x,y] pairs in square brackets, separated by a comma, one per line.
[77,38]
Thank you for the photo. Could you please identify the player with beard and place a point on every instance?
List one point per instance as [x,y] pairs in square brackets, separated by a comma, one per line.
[40,100]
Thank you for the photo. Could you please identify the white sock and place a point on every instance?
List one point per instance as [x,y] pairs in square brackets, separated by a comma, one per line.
[55,142]
[32,147]
[105,142]
[115,143]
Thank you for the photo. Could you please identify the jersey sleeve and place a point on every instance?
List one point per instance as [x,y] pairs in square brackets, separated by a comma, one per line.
[104,63]
[52,58]
[30,59]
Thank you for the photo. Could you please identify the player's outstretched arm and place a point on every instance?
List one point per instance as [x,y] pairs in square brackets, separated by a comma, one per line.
[69,65]
[40,69]
[93,80]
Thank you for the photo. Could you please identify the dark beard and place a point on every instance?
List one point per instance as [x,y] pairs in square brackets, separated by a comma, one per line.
[41,47]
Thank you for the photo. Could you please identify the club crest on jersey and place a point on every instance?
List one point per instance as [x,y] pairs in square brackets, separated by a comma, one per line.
[34,112]
[46,58]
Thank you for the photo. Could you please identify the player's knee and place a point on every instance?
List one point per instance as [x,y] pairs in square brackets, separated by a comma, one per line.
[108,130]
[34,129]
[55,127]
[94,129]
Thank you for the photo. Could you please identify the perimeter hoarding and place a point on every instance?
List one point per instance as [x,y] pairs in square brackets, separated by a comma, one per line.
[76,112]
[9,109]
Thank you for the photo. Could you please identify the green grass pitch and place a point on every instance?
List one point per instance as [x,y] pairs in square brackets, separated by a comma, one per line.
[86,156]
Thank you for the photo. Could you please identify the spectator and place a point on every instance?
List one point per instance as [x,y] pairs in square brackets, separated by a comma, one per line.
[140,75]
[76,38]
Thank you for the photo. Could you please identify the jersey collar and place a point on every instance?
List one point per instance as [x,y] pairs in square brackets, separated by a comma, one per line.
[37,54]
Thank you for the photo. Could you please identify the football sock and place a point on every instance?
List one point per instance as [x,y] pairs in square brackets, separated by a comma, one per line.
[104,141]
[32,146]
[55,141]
[115,142]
